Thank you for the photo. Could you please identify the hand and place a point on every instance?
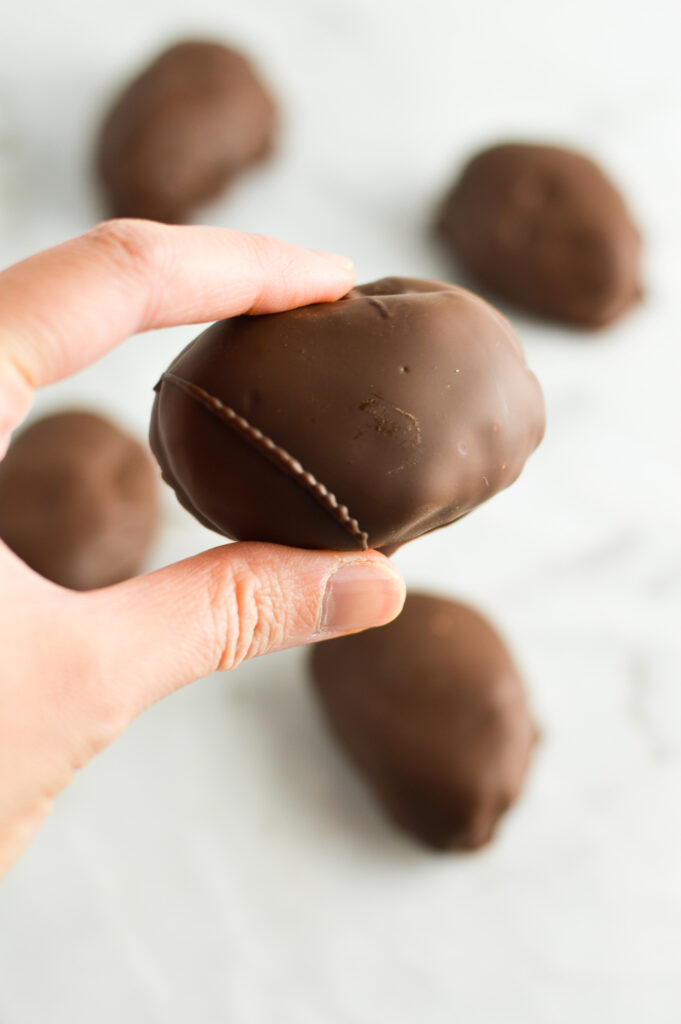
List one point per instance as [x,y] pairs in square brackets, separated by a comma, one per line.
[78,667]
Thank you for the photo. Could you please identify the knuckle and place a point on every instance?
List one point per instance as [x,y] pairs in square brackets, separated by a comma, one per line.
[260,246]
[137,247]
[256,247]
[245,616]
[273,268]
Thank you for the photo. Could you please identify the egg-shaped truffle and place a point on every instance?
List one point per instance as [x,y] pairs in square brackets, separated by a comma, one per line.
[347,425]
[544,228]
[78,500]
[194,120]
[432,711]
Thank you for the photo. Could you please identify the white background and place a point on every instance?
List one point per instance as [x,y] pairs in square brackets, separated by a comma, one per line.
[222,862]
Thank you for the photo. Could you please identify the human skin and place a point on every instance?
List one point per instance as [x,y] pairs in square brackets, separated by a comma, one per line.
[77,668]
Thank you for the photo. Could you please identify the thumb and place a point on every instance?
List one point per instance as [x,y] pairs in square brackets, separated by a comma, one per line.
[98,659]
[153,634]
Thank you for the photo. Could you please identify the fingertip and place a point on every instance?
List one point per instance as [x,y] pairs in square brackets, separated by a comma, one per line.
[361,594]
[343,263]
[334,276]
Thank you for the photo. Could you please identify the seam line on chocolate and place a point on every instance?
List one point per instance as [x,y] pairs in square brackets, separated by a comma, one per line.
[279,456]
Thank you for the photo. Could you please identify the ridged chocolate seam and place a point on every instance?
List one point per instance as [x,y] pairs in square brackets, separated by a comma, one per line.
[279,456]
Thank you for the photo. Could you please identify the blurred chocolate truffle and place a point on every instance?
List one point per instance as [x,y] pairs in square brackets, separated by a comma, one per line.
[432,711]
[190,123]
[78,500]
[347,425]
[544,228]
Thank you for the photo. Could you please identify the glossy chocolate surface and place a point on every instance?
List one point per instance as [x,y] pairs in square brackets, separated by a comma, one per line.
[360,423]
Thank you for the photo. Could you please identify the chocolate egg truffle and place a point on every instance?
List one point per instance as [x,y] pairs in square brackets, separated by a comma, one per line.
[352,424]
[78,500]
[544,228]
[432,711]
[181,131]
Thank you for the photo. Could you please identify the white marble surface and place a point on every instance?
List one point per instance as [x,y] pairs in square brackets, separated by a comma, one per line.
[222,862]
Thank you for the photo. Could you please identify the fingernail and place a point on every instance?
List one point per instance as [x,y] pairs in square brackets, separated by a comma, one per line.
[359,596]
[344,262]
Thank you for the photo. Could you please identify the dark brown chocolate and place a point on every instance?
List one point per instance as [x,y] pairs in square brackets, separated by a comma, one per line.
[432,711]
[544,228]
[78,500]
[359,423]
[191,122]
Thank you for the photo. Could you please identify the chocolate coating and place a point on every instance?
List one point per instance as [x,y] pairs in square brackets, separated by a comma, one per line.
[190,123]
[544,228]
[359,423]
[78,500]
[432,711]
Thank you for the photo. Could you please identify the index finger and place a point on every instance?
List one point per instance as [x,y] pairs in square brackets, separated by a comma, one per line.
[67,306]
